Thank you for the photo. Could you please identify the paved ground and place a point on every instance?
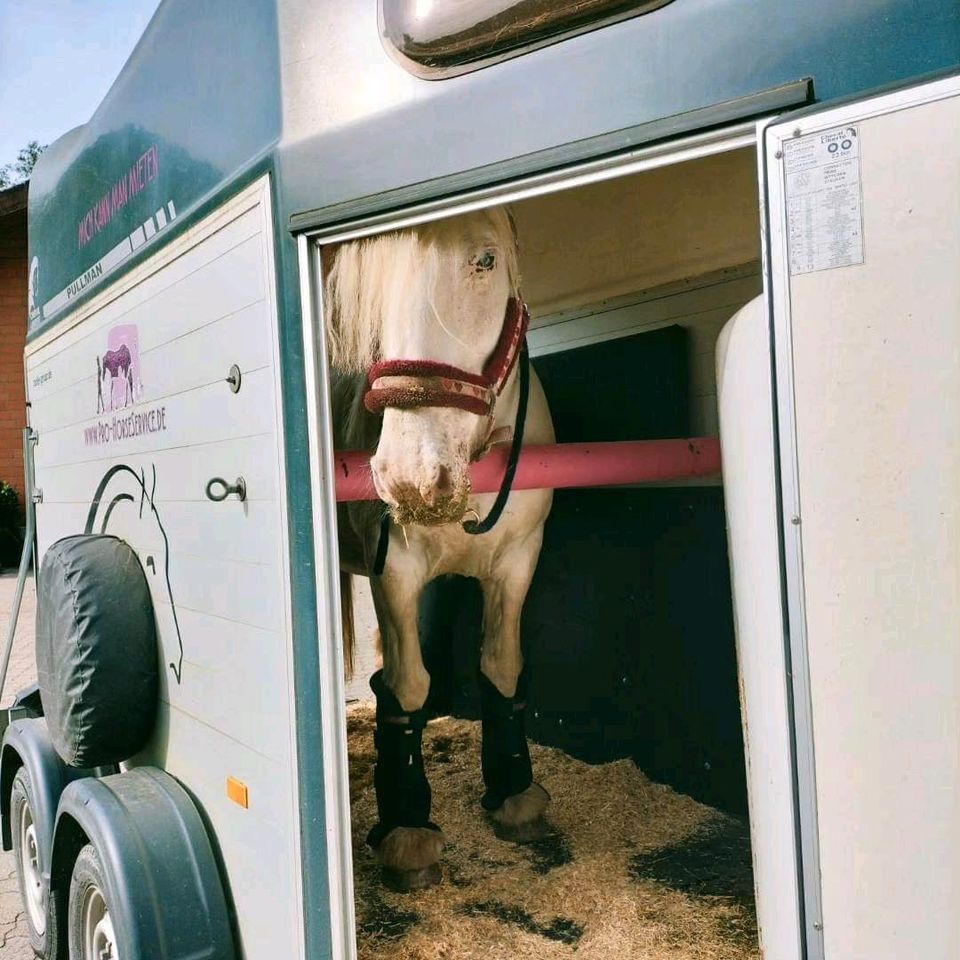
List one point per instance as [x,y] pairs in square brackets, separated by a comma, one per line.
[23,671]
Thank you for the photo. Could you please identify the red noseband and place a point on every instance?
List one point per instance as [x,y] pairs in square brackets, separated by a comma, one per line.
[406,384]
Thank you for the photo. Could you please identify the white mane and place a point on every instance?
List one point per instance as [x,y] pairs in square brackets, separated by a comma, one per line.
[359,283]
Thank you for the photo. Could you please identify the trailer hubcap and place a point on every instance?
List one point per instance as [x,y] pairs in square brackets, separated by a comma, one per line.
[99,941]
[32,876]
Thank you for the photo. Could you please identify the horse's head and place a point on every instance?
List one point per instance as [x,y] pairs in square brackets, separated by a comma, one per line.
[439,294]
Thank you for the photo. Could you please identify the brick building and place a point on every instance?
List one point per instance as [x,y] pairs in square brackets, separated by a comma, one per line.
[13,330]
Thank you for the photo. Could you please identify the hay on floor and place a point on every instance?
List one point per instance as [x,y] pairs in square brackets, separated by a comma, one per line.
[630,869]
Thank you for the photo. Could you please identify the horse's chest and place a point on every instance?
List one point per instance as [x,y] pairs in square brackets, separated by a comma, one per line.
[451,550]
[448,549]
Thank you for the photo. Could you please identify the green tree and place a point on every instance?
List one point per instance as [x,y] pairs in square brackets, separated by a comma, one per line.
[22,167]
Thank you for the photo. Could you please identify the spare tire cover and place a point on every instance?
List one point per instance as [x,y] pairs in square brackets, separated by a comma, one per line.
[97,658]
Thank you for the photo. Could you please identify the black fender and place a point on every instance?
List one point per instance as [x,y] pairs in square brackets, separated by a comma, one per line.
[162,881]
[26,743]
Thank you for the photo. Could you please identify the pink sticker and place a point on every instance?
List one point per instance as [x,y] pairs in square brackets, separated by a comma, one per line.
[118,369]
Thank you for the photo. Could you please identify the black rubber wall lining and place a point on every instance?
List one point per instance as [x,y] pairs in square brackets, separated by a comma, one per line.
[628,626]
[633,388]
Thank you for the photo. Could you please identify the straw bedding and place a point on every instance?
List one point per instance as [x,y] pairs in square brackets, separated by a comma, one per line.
[628,869]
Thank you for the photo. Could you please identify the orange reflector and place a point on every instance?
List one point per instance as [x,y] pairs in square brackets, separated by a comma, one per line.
[237,792]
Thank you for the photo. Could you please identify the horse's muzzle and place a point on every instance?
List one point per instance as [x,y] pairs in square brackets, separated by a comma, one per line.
[433,496]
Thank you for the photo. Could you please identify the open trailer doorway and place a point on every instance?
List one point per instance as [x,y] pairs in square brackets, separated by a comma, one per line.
[632,709]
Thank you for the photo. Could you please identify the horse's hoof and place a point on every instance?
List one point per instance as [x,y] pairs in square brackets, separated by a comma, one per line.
[520,818]
[409,858]
[522,832]
[406,881]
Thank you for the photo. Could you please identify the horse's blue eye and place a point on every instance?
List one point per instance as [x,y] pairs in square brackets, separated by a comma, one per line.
[486,261]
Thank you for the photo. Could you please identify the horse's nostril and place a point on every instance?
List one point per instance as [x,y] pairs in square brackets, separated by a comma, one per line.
[436,488]
[444,480]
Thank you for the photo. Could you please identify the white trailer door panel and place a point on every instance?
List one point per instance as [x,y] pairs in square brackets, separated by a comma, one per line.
[135,415]
[864,228]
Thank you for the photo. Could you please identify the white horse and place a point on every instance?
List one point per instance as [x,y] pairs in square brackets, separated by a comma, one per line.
[425,331]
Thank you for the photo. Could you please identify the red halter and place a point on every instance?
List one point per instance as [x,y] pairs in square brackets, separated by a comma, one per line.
[406,384]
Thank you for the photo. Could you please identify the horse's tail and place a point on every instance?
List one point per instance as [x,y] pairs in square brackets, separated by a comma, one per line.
[347,624]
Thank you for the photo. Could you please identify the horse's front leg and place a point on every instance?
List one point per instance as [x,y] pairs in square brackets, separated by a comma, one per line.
[406,842]
[514,801]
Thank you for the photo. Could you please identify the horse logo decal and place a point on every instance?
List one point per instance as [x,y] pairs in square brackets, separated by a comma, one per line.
[124,504]
[118,370]
[33,310]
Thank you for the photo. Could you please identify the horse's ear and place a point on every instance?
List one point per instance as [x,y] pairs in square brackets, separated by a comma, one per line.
[513,227]
[515,253]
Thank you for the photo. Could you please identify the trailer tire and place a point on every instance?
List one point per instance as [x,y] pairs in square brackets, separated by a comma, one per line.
[43,907]
[134,847]
[97,654]
[89,921]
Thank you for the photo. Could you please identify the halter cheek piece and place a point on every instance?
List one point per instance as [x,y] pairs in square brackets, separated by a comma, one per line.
[408,384]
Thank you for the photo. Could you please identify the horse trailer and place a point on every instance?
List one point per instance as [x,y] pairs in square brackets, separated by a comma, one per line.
[429,321]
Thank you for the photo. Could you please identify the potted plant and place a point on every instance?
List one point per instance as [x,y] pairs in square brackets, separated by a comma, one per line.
[11,526]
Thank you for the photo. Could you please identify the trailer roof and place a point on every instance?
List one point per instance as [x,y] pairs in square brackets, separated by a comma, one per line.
[196,103]
[217,91]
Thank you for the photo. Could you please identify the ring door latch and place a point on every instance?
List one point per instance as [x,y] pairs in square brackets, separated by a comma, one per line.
[218,489]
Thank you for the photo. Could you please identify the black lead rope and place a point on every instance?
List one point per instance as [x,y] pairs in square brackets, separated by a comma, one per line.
[475,527]
[381,558]
[484,526]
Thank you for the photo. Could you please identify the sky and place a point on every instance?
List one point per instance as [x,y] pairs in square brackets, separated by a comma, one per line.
[58,59]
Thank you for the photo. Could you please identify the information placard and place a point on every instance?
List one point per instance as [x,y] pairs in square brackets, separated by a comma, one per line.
[824,200]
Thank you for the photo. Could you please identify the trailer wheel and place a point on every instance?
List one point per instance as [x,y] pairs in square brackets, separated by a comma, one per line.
[90,925]
[41,904]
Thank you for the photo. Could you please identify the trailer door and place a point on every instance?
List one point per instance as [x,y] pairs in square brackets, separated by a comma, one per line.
[863,233]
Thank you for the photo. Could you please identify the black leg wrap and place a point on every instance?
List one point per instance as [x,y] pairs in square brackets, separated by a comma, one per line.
[403,793]
[504,757]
